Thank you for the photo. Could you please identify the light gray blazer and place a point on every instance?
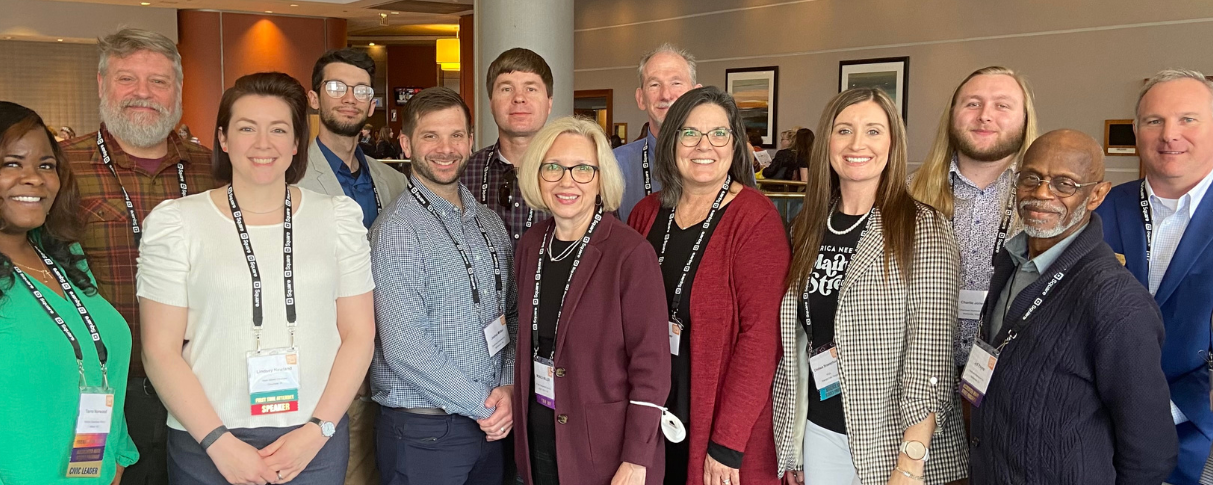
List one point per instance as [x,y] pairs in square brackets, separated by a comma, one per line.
[894,342]
[320,177]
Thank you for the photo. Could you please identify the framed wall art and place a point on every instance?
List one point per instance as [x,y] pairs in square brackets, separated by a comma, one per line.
[756,91]
[889,74]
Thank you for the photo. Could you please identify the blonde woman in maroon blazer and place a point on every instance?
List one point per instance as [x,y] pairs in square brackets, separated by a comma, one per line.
[725,324]
[592,352]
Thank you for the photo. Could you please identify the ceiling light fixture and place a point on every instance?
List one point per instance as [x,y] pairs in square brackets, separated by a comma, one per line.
[58,40]
[294,5]
[372,44]
[383,19]
[145,3]
[269,11]
[395,13]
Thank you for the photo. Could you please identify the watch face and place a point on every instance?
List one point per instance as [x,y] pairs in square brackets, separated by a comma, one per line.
[328,429]
[915,450]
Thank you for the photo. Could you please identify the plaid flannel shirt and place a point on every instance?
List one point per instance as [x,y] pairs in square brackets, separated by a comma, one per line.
[107,239]
[514,214]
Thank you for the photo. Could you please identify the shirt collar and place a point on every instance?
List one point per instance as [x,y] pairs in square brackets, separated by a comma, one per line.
[1189,200]
[1018,248]
[444,206]
[336,163]
[954,171]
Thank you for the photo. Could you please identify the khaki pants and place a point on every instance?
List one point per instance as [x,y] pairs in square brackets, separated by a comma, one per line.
[362,469]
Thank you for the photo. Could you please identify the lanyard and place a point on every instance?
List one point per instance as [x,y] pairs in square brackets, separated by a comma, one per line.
[1036,302]
[585,241]
[102,353]
[130,206]
[1147,218]
[375,190]
[707,224]
[288,266]
[467,260]
[644,167]
[484,188]
[1004,227]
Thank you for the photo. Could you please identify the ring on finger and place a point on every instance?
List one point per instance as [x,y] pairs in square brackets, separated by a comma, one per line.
[726,481]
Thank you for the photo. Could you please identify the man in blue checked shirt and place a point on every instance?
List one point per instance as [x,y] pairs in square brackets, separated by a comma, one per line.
[446,311]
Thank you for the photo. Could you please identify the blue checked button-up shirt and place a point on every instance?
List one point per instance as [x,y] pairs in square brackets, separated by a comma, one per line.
[431,350]
[975,221]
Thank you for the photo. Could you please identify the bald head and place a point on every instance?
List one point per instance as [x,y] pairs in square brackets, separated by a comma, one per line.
[1076,151]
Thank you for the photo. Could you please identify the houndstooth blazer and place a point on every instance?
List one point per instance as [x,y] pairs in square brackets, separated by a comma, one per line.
[895,356]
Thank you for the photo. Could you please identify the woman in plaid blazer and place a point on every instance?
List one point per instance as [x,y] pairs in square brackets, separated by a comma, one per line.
[895,291]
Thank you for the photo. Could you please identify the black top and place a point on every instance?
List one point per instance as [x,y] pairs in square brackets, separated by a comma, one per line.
[679,403]
[785,165]
[824,283]
[541,420]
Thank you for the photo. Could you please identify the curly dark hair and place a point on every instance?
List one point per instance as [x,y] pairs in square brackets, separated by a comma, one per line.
[60,230]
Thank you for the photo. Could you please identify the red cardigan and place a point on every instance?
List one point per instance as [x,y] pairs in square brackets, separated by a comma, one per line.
[735,346]
[611,348]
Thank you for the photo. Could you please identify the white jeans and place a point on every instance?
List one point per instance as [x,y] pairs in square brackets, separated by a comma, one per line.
[827,459]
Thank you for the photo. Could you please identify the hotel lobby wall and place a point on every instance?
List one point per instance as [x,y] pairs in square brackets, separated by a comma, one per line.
[408,66]
[217,48]
[1085,59]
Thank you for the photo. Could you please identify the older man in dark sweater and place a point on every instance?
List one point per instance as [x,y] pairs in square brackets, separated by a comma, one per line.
[1067,379]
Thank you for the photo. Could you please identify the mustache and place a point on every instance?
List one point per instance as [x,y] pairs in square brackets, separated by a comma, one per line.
[144,103]
[444,158]
[1041,206]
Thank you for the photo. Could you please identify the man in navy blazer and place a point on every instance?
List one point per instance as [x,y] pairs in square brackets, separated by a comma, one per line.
[1163,225]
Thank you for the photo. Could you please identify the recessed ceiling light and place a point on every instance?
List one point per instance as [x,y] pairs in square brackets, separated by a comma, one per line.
[8,38]
[58,40]
[395,13]
[269,11]
[294,5]
[145,3]
[372,44]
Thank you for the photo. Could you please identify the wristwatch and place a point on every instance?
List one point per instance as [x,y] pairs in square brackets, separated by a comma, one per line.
[915,450]
[327,428]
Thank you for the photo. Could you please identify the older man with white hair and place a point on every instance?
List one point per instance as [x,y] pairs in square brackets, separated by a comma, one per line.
[132,163]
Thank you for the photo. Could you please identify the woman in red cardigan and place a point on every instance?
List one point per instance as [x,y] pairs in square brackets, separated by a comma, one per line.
[724,254]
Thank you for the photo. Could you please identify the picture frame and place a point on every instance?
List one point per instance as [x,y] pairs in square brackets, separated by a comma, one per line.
[889,74]
[756,92]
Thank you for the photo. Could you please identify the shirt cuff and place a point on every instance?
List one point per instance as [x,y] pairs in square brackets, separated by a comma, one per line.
[725,455]
[1177,415]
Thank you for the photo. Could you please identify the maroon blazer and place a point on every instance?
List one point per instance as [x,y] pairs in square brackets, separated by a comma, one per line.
[735,343]
[612,346]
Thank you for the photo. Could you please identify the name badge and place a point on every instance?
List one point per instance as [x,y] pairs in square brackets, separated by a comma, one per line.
[273,381]
[675,337]
[496,336]
[545,384]
[971,302]
[92,428]
[824,364]
[978,372]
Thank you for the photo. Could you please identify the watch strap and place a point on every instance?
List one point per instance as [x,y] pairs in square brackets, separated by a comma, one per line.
[213,436]
[319,422]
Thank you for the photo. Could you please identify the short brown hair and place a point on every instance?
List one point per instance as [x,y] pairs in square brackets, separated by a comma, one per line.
[519,59]
[428,101]
[273,84]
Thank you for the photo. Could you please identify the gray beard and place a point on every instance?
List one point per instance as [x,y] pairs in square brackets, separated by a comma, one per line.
[139,130]
[1065,225]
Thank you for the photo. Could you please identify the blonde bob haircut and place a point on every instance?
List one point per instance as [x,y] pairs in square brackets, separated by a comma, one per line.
[609,178]
[930,184]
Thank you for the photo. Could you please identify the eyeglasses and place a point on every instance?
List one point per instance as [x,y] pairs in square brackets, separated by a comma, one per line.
[336,89]
[554,172]
[505,191]
[690,137]
[1061,186]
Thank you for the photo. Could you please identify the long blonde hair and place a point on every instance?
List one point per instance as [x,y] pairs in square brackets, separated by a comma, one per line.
[897,209]
[930,184]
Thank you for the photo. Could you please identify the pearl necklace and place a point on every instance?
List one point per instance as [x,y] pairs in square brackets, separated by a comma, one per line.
[830,223]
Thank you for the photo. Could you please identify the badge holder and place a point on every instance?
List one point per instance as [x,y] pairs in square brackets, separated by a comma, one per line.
[824,365]
[545,385]
[978,372]
[671,426]
[676,329]
[273,378]
[93,420]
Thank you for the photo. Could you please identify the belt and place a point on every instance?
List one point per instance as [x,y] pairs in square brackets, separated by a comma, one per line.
[425,411]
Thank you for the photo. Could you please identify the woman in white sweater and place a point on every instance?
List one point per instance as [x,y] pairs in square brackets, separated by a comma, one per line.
[255,304]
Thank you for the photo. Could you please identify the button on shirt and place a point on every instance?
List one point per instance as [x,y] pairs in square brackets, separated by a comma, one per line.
[631,159]
[357,186]
[975,221]
[1026,272]
[431,348]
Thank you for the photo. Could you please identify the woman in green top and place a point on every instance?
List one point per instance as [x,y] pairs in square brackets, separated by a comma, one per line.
[47,371]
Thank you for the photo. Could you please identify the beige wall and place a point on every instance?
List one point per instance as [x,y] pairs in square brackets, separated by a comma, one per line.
[1085,59]
[58,81]
[42,19]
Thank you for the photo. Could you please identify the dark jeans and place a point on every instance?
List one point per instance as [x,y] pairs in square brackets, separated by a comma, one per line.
[414,449]
[190,465]
[146,421]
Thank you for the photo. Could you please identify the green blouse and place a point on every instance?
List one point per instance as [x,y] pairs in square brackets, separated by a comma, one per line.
[40,384]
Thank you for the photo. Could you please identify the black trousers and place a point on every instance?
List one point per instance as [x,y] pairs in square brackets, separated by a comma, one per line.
[146,421]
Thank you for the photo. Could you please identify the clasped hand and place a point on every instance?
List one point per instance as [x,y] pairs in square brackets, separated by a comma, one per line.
[280,462]
[497,425]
